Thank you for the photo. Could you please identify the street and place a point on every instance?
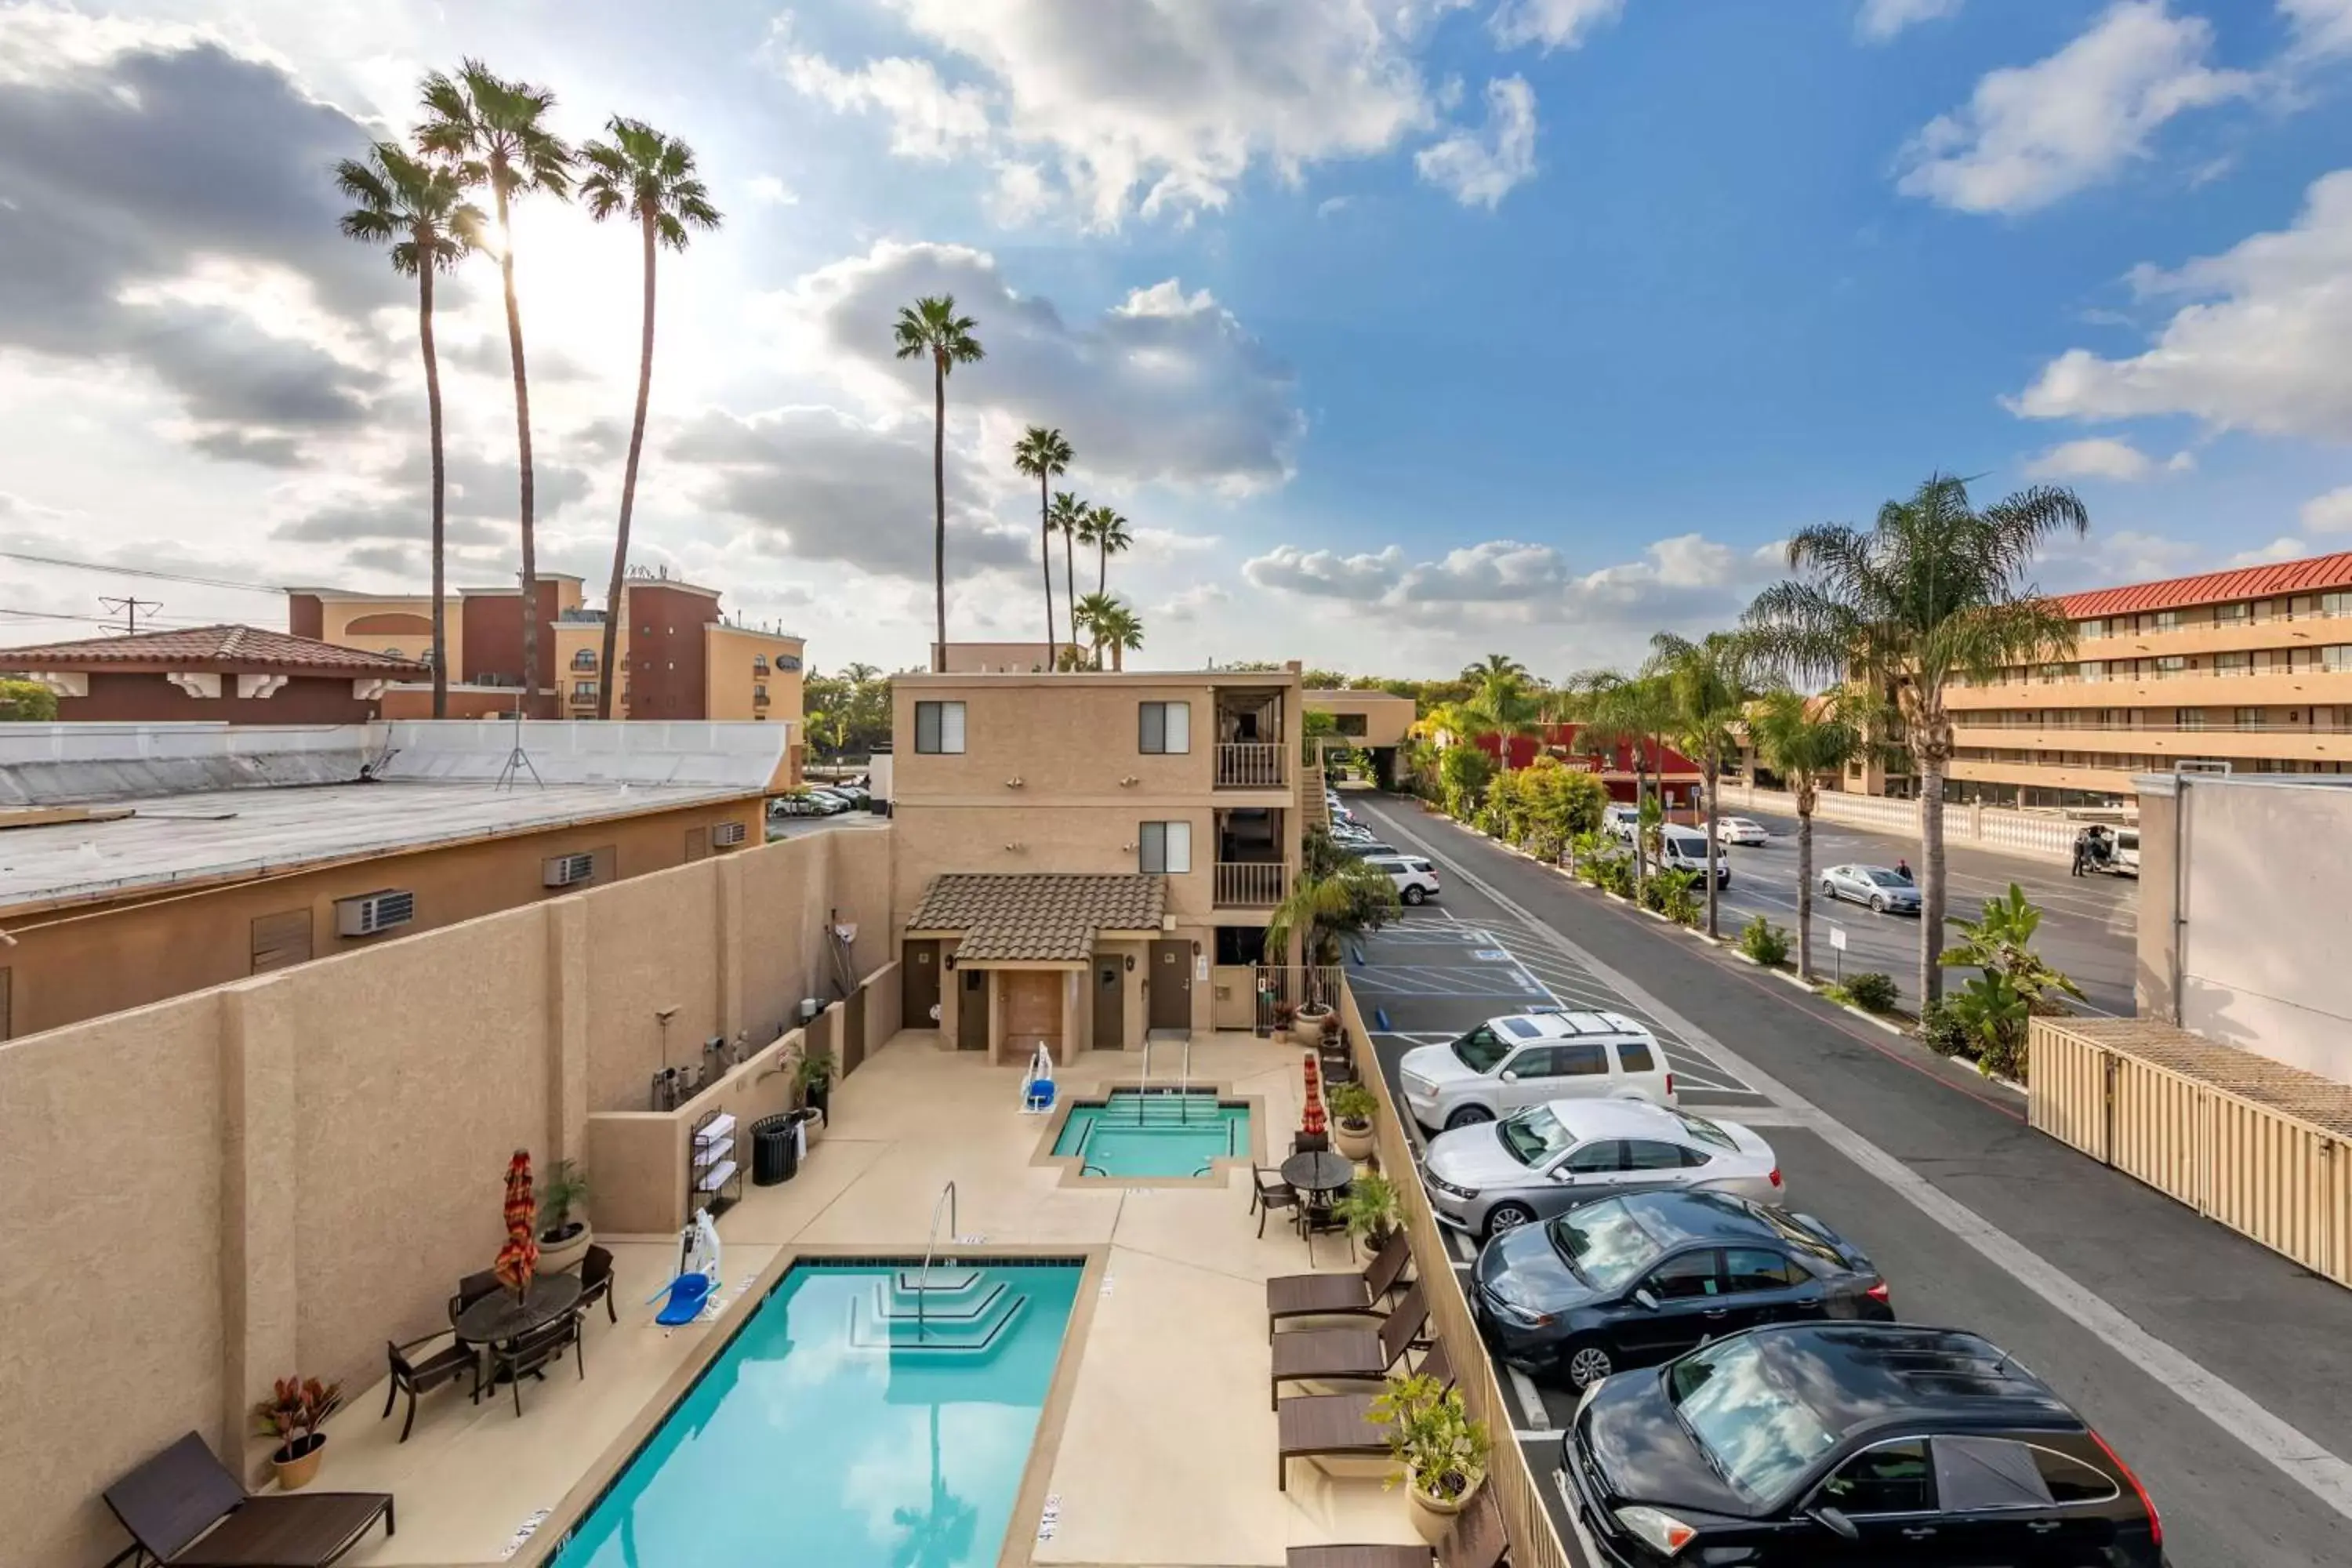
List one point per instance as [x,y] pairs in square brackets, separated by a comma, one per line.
[2216,1368]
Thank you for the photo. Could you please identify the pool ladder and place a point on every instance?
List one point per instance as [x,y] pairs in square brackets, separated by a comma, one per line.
[1183,1082]
[930,1242]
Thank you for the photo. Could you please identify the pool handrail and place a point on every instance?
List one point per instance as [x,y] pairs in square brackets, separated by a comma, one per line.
[923,1277]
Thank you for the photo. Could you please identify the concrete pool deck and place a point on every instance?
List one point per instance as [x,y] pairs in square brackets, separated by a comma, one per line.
[1166,1449]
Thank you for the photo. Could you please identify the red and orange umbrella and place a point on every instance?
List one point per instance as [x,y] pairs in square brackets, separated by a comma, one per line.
[1311,1123]
[518,1262]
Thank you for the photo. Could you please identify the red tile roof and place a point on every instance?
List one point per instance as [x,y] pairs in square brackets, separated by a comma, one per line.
[246,649]
[2319,573]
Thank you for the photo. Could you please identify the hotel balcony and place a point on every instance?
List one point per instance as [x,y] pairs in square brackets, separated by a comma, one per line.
[1249,765]
[1253,747]
[1250,884]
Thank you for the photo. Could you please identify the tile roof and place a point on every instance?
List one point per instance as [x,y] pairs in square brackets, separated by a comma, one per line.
[2317,574]
[1037,917]
[248,648]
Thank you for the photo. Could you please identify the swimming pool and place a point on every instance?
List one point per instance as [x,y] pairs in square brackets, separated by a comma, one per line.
[1137,1134]
[838,1430]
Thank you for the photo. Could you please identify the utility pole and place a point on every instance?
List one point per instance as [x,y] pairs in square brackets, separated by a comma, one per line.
[128,610]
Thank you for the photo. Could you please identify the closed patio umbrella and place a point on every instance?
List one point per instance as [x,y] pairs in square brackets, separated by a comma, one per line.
[518,1262]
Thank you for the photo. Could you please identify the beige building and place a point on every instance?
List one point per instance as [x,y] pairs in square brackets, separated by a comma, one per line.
[1366,719]
[2248,670]
[1155,816]
[680,657]
[991,657]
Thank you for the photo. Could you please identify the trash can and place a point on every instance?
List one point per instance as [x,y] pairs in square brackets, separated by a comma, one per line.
[776,1151]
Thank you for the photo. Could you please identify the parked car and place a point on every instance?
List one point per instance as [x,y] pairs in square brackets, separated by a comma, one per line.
[803,802]
[1487,1179]
[1683,848]
[1850,1443]
[1366,847]
[1415,879]
[1619,822]
[856,794]
[1742,830]
[1882,888]
[2123,861]
[1637,1280]
[1340,814]
[828,801]
[1526,1059]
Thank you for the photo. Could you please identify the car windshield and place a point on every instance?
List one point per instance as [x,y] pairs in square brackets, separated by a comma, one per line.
[1706,1131]
[1479,1050]
[1534,1136]
[1886,879]
[1603,1243]
[1762,1439]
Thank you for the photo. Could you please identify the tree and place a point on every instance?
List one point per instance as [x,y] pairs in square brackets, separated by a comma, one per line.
[1107,531]
[1629,710]
[650,177]
[1093,610]
[1070,514]
[1935,590]
[1501,700]
[1801,739]
[494,131]
[1707,689]
[1335,895]
[849,713]
[2015,985]
[420,212]
[26,702]
[1044,455]
[1556,803]
[1121,631]
[931,328]
[1463,774]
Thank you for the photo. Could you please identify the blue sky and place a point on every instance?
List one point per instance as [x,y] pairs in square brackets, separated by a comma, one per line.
[1401,329]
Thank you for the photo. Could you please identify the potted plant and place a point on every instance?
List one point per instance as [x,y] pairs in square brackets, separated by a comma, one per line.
[1370,1208]
[812,1076]
[1441,1452]
[564,1232]
[1352,1107]
[296,1408]
[1306,1024]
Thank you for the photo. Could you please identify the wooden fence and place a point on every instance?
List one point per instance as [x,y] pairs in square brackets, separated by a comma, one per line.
[1517,1489]
[2262,1147]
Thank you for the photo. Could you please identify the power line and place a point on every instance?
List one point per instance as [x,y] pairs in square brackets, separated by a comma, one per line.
[139,572]
[129,608]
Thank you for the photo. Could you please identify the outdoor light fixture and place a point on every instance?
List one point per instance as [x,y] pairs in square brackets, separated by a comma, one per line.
[1130,782]
[1013,783]
[1130,963]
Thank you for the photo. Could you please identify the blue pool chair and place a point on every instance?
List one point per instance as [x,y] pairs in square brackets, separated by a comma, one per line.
[1037,1085]
[686,1293]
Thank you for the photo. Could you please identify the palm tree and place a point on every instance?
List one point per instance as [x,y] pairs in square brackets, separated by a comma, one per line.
[494,132]
[1068,514]
[1044,455]
[929,328]
[651,178]
[1121,631]
[1107,531]
[1093,611]
[1502,701]
[1801,739]
[1936,590]
[1708,686]
[422,213]
[1628,711]
[1334,895]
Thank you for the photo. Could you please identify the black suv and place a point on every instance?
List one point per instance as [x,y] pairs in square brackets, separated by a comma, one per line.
[1836,1445]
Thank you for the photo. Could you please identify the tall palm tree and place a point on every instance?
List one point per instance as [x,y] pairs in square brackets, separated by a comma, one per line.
[931,328]
[1044,455]
[1094,610]
[1708,686]
[1121,631]
[1934,591]
[1068,514]
[650,177]
[494,132]
[1107,531]
[1501,696]
[420,213]
[1801,739]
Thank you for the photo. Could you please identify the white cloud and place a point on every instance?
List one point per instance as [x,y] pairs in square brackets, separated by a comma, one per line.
[928,118]
[769,191]
[2330,513]
[1480,168]
[1554,24]
[1881,20]
[2032,134]
[1326,574]
[2104,457]
[2322,26]
[2282,549]
[2262,340]
[1193,603]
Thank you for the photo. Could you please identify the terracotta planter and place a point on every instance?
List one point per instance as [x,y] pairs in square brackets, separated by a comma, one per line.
[1355,1141]
[294,1474]
[1432,1517]
[1306,1028]
[562,1257]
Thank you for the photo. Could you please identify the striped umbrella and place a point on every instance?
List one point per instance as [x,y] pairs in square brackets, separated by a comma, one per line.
[518,1261]
[1311,1121]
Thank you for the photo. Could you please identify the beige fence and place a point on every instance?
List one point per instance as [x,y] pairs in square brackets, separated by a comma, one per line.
[2263,1148]
[1517,1488]
[1250,765]
[2043,838]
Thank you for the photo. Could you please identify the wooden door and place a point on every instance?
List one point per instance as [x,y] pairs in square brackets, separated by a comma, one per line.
[919,985]
[1033,1009]
[1170,985]
[1110,1003]
[971,1011]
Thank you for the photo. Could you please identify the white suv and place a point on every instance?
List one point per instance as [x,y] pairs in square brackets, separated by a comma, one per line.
[1415,879]
[1507,1064]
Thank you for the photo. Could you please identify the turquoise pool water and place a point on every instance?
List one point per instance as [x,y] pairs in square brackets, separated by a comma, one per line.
[1154,1135]
[833,1433]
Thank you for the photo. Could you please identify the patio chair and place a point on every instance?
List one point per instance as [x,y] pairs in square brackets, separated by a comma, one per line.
[1309,1142]
[527,1353]
[1348,1355]
[472,1289]
[1269,1191]
[1340,1426]
[596,1282]
[183,1508]
[1477,1538]
[413,1374]
[1318,1295]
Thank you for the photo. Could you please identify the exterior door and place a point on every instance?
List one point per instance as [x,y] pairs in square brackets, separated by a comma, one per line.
[971,1011]
[1110,1005]
[1539,1074]
[919,985]
[1689,1291]
[1170,985]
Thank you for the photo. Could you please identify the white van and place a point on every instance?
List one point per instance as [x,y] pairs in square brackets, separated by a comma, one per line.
[1683,848]
[1617,822]
[2124,862]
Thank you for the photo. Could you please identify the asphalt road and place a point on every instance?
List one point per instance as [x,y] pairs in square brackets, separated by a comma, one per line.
[2216,1368]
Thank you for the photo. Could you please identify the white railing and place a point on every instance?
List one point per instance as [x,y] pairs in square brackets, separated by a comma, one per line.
[1992,827]
[1250,884]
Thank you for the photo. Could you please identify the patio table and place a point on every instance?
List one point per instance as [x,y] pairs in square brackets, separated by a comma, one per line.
[498,1317]
[1317,1175]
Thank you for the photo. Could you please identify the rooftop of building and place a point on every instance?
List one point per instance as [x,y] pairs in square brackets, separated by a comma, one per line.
[225,648]
[2318,574]
[1236,678]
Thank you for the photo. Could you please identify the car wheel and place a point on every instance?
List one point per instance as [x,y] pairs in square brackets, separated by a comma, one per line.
[1415,895]
[1505,1217]
[1829,891]
[1588,1364]
[1877,905]
[1468,1115]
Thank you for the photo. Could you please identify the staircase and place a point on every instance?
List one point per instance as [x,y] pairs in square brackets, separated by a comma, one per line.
[946,1312]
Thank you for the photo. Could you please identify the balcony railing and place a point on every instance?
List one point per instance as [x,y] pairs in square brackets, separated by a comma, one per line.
[1250,765]
[1250,884]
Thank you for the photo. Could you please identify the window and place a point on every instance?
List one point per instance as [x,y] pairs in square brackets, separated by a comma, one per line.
[758,664]
[583,659]
[2092,628]
[2234,664]
[1479,1050]
[1352,724]
[2233,614]
[939,727]
[2251,718]
[2339,657]
[1893,1478]
[1633,1056]
[1164,847]
[2166,621]
[1562,1061]
[2171,664]
[1166,727]
[583,691]
[2071,1480]
[759,691]
[2335,603]
[1759,1268]
[2188,718]
[1598,1158]
[1685,1278]
[1649,1154]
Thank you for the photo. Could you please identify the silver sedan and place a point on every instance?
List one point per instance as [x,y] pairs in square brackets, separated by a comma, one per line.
[1882,888]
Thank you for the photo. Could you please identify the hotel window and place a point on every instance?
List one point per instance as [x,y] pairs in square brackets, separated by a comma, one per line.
[2335,603]
[2339,657]
[939,727]
[2251,718]
[1164,847]
[2234,664]
[2171,664]
[583,691]
[2097,628]
[1165,727]
[2188,718]
[2164,621]
[2233,614]
[2093,668]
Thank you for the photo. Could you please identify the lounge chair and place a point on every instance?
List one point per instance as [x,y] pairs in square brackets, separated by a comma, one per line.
[1475,1540]
[1347,1355]
[687,1294]
[1340,1426]
[1319,1295]
[184,1510]
[528,1352]
[413,1374]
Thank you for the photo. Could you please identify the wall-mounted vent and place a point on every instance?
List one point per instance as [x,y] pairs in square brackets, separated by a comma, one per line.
[567,870]
[724,835]
[372,912]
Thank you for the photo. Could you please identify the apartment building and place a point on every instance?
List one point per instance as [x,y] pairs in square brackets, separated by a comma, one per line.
[1088,858]
[482,628]
[2244,671]
[679,657]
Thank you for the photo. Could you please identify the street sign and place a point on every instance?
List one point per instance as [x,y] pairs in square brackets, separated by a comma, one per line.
[1837,938]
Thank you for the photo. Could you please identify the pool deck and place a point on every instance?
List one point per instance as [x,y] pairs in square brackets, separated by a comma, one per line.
[1166,1449]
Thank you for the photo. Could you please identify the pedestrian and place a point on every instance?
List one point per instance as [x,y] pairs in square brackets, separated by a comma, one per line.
[1903,868]
[2082,852]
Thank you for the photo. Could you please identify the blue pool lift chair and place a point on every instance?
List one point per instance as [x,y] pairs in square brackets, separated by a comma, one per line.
[1037,1084]
[687,1295]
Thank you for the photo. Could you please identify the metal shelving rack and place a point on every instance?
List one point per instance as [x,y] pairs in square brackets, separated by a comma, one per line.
[714,1175]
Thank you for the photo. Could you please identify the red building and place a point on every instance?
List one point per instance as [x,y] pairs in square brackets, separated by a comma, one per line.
[1614,765]
[226,674]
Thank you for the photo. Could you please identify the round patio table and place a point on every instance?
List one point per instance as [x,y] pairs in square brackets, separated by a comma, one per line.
[498,1317]
[1317,1175]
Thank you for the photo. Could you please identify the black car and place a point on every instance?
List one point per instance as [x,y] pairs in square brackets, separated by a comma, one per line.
[1840,1444]
[1638,1279]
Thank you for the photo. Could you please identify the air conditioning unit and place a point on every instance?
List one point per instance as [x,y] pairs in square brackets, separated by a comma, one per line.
[372,913]
[567,870]
[726,834]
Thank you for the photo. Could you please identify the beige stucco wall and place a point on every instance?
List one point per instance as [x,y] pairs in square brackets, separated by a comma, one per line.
[648,951]
[728,677]
[1386,719]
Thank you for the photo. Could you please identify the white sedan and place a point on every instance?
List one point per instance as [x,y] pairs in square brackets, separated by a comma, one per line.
[1742,830]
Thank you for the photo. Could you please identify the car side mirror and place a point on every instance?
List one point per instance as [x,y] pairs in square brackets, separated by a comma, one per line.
[1648,1301]
[1836,1523]
[1511,1078]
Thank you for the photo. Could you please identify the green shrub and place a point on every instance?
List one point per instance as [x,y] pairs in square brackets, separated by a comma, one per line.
[1765,942]
[1943,1032]
[1872,992]
[2004,1057]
